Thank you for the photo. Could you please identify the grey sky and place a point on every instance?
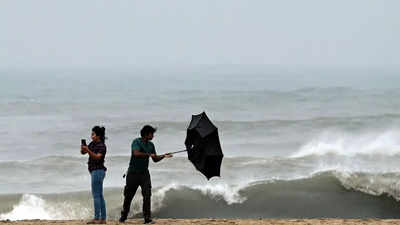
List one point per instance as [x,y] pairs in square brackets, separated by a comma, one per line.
[145,33]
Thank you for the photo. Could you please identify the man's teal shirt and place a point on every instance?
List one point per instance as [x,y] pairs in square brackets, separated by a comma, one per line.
[140,164]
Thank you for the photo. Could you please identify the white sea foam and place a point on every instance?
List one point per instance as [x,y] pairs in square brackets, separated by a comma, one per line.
[35,207]
[372,184]
[30,207]
[387,143]
[228,192]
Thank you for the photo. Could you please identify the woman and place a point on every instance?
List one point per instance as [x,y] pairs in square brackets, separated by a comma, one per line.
[97,152]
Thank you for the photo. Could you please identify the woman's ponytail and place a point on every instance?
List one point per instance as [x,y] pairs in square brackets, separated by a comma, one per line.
[101,132]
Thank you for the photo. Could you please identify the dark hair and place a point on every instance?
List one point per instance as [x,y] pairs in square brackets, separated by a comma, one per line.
[101,132]
[147,129]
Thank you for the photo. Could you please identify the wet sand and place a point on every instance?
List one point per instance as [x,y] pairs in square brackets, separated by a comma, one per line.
[221,222]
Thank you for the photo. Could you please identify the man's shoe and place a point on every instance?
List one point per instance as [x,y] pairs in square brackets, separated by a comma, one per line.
[149,221]
[122,219]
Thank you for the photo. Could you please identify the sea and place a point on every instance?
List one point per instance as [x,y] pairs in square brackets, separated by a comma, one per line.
[298,142]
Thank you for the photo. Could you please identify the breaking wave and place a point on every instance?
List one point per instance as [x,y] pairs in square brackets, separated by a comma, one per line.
[325,194]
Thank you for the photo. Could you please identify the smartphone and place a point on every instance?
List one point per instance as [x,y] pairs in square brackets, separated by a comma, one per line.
[83,142]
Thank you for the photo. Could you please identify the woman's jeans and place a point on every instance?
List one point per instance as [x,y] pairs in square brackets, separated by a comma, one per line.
[97,192]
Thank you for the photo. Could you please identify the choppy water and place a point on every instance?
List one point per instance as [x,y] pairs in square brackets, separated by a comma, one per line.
[295,144]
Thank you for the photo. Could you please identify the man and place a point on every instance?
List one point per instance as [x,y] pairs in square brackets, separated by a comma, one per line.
[138,172]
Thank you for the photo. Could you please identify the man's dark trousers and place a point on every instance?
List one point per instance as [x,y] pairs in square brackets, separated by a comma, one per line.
[133,181]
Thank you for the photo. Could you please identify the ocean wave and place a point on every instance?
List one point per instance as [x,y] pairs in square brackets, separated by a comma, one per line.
[32,206]
[326,194]
[347,144]
[59,174]
[183,124]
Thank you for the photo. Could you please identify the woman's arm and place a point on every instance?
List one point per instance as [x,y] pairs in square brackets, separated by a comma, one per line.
[93,155]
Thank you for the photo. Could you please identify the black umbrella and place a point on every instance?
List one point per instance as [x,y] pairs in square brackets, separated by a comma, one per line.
[203,146]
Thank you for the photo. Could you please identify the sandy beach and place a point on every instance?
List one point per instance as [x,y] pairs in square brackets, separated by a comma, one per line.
[222,222]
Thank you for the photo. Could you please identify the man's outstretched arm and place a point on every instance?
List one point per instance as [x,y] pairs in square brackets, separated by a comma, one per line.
[158,158]
[140,154]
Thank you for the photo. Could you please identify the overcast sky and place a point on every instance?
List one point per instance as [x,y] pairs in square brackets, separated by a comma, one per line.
[49,33]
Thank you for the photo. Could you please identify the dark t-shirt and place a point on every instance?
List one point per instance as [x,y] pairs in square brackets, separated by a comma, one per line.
[97,164]
[140,164]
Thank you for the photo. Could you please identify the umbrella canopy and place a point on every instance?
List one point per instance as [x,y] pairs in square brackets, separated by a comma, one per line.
[203,146]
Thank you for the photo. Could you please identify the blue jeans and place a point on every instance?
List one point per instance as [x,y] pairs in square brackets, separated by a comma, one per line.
[97,192]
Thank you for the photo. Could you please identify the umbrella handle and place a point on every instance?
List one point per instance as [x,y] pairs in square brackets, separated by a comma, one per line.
[178,152]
